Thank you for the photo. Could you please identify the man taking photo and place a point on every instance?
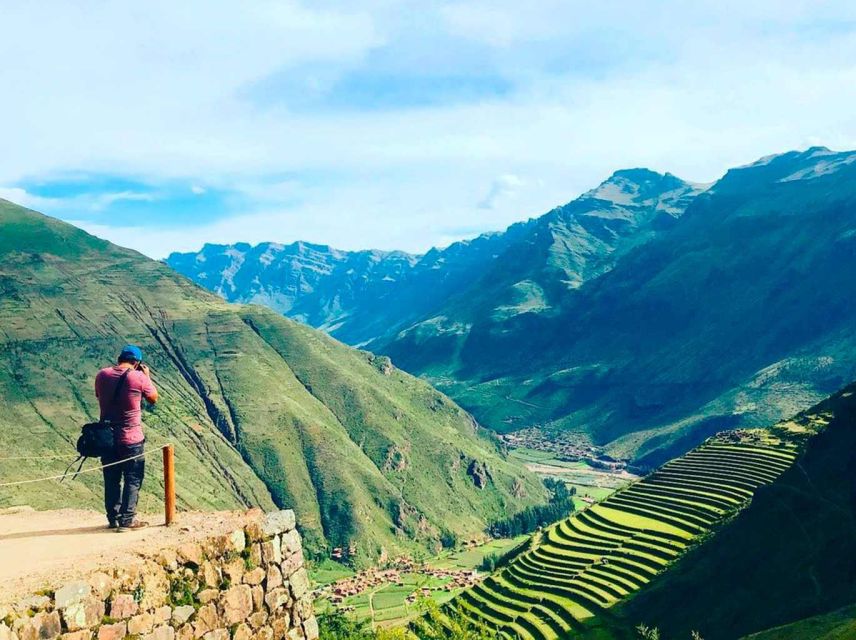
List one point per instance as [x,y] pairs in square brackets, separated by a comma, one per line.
[120,390]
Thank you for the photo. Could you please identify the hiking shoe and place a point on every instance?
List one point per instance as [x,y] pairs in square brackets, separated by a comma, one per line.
[134,526]
[113,525]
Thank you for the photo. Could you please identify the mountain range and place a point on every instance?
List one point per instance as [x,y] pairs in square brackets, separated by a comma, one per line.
[263,411]
[368,296]
[643,316]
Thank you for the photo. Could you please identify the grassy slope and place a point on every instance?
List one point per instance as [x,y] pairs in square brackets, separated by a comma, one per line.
[838,625]
[783,558]
[417,460]
[62,315]
[263,411]
[789,556]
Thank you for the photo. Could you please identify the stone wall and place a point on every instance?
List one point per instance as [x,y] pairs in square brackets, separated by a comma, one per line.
[247,585]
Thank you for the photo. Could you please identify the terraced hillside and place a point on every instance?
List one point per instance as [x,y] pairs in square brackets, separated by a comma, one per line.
[788,558]
[578,568]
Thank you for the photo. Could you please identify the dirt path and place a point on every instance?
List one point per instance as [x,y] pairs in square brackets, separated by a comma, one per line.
[43,549]
[371,605]
[544,469]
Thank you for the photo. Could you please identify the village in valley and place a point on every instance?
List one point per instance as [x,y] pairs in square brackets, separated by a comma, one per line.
[565,447]
[391,594]
[399,575]
[587,470]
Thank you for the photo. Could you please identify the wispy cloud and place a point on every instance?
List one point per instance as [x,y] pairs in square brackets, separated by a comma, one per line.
[502,187]
[24,198]
[93,202]
[104,200]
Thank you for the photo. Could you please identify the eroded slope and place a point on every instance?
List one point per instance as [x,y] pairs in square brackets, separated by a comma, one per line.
[262,411]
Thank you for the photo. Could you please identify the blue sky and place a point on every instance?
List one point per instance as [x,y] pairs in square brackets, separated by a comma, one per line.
[373,124]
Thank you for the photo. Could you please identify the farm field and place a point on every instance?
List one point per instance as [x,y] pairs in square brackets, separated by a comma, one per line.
[387,604]
[584,564]
[328,571]
[589,483]
[465,559]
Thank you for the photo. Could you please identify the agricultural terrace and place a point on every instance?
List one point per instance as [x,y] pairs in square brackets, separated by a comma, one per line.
[581,566]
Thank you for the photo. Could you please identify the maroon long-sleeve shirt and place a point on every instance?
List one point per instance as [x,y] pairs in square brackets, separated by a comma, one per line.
[126,412]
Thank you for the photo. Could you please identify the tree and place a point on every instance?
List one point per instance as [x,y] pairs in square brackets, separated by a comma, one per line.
[648,633]
[338,626]
[652,633]
[436,624]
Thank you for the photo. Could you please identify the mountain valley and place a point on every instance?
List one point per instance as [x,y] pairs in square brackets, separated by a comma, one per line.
[642,317]
[651,328]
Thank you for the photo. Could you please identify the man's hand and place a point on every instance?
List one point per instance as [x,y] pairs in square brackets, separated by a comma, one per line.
[145,369]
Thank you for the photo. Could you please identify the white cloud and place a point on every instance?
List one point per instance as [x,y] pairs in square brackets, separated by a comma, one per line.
[26,199]
[165,92]
[92,202]
[197,190]
[102,201]
[502,187]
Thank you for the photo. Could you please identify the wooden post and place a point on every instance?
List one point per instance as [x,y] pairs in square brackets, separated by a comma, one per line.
[169,484]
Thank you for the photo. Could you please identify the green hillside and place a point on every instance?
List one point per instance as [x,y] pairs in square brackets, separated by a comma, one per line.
[542,259]
[752,529]
[262,411]
[838,625]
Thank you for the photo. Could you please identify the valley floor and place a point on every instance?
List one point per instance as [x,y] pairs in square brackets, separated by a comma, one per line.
[590,483]
[387,598]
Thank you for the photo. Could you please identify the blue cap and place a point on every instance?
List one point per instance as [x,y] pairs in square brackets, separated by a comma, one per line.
[131,352]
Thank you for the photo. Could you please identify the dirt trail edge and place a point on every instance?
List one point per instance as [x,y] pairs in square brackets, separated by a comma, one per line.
[44,549]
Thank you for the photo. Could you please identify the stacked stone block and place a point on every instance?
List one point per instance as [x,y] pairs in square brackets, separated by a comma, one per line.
[248,585]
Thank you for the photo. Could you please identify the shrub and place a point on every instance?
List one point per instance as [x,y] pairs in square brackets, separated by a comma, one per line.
[448,624]
[338,626]
[448,539]
[489,562]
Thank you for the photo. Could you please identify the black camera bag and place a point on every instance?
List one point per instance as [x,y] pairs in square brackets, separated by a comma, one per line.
[97,439]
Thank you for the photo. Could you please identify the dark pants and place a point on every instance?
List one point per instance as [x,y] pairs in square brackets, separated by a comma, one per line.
[120,501]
